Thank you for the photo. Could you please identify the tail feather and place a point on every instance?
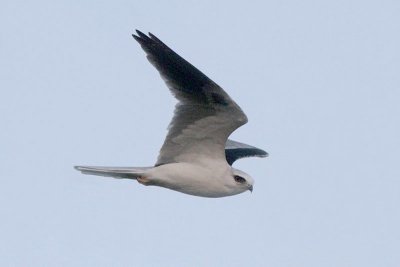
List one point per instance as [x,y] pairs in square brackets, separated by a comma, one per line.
[115,172]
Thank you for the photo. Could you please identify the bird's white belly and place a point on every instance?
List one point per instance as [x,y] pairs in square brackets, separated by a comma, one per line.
[193,179]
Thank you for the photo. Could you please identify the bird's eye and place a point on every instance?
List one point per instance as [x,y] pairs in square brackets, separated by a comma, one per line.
[239,179]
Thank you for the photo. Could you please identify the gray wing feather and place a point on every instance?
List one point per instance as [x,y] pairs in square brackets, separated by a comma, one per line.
[205,115]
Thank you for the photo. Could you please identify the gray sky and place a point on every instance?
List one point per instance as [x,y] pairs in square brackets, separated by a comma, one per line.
[319,81]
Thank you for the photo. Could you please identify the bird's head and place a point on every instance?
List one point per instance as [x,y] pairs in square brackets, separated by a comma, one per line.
[242,181]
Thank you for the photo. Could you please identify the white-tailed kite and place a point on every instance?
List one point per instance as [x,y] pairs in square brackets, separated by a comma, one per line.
[196,156]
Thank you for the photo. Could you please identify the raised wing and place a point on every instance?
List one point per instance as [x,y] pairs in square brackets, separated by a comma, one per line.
[236,150]
[205,115]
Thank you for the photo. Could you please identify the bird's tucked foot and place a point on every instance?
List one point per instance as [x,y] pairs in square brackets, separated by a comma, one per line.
[143,180]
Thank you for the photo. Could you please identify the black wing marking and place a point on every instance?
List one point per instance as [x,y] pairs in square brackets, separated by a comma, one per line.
[236,150]
[184,79]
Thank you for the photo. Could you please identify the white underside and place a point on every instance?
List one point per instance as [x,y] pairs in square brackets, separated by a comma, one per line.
[212,179]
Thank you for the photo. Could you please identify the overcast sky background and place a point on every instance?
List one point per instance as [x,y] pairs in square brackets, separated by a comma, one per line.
[319,81]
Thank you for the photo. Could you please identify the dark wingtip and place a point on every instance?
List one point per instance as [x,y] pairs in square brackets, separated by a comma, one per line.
[140,37]
[141,34]
[154,38]
[137,38]
[149,41]
[263,154]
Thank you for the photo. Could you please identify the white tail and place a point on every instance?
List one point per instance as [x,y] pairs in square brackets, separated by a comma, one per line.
[115,172]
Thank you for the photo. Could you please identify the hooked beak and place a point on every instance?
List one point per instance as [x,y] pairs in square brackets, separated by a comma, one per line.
[251,188]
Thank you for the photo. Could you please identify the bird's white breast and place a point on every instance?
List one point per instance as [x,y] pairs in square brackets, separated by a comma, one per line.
[211,179]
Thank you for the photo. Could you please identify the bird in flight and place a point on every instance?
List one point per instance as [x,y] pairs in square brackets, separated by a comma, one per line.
[197,156]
